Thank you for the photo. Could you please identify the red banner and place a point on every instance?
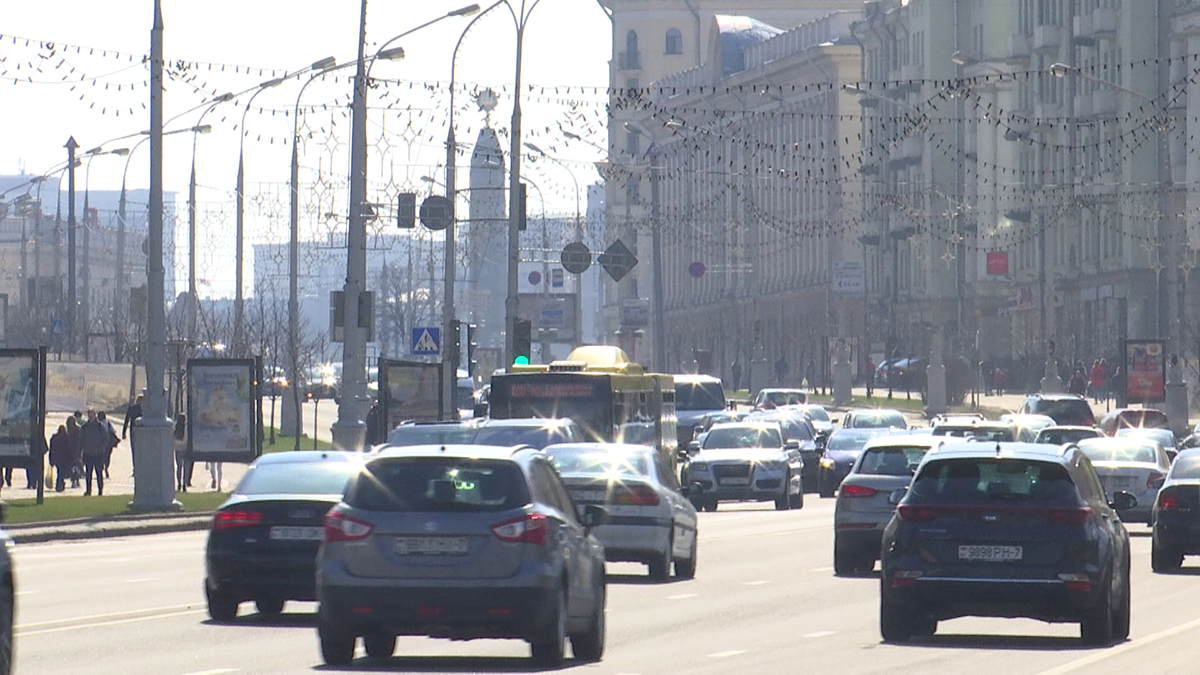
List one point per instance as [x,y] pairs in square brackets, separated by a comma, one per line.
[997,263]
[1146,368]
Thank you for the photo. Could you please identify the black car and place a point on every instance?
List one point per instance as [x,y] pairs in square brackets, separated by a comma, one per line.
[264,538]
[1064,409]
[1006,530]
[1176,516]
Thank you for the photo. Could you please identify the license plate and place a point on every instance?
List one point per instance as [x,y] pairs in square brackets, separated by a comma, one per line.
[590,496]
[431,546]
[294,533]
[735,481]
[1115,483]
[990,552]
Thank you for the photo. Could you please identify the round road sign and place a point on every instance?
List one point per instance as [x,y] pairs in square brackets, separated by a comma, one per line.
[576,257]
[535,277]
[697,269]
[436,212]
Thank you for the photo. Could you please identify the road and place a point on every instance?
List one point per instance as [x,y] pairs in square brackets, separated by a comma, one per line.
[764,600]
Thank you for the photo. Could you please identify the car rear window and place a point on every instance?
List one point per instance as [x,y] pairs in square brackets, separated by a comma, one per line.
[699,396]
[1186,467]
[297,478]
[1065,411]
[891,461]
[877,420]
[437,484]
[985,480]
[817,413]
[1060,436]
[1004,434]
[852,440]
[743,437]
[794,428]
[607,462]
[432,434]
[534,437]
[1108,452]
[1165,437]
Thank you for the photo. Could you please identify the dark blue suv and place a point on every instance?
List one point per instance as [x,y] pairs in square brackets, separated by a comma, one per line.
[1006,530]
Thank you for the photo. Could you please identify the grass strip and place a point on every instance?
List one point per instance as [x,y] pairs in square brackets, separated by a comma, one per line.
[73,507]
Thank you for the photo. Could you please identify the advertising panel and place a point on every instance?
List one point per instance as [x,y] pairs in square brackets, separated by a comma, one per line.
[409,391]
[223,410]
[20,405]
[1146,370]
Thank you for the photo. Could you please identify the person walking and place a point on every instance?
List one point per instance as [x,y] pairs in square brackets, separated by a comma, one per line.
[60,457]
[181,452]
[75,445]
[132,413]
[96,444]
[113,440]
[1096,380]
[214,472]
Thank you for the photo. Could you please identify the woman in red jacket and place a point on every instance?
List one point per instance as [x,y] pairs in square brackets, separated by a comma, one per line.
[1096,380]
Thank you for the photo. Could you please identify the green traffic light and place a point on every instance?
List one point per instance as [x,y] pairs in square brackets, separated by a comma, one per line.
[521,360]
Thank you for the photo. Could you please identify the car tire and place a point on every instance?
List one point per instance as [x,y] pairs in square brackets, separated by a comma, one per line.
[826,490]
[269,607]
[796,501]
[1096,628]
[1120,620]
[660,565]
[547,649]
[896,624]
[711,506]
[843,562]
[1163,559]
[337,645]
[6,631]
[379,646]
[221,607]
[589,645]
[685,568]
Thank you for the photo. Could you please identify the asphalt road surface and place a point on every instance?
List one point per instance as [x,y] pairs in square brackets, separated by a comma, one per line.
[764,600]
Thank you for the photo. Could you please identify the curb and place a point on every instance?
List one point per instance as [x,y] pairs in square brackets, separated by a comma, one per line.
[90,528]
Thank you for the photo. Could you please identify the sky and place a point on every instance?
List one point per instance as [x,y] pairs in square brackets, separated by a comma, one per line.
[54,92]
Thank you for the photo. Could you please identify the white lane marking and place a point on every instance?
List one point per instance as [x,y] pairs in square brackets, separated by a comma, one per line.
[822,569]
[1122,648]
[731,652]
[140,580]
[97,617]
[101,624]
[682,596]
[760,582]
[820,634]
[20,593]
[214,671]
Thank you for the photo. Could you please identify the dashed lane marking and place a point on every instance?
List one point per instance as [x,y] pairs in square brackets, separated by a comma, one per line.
[731,652]
[820,634]
[760,582]
[1078,664]
[214,671]
[682,596]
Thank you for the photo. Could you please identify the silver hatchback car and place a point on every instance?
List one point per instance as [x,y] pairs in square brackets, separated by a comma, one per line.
[864,507]
[460,542]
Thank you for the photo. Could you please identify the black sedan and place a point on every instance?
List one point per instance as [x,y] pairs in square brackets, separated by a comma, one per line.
[264,538]
[1176,515]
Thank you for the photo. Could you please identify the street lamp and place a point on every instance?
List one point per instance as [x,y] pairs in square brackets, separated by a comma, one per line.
[579,235]
[350,429]
[86,279]
[193,300]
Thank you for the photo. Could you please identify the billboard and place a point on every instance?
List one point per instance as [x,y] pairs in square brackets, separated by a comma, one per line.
[22,402]
[409,391]
[1145,370]
[222,410]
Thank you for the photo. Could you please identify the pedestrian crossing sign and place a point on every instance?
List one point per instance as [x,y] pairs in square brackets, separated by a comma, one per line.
[426,341]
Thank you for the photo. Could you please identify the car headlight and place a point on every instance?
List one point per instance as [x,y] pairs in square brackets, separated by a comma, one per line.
[828,463]
[697,466]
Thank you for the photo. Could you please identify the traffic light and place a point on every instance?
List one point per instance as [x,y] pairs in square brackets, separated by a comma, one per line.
[522,342]
[472,366]
[453,347]
[521,222]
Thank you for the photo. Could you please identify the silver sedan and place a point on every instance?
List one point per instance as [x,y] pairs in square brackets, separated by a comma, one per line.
[1137,465]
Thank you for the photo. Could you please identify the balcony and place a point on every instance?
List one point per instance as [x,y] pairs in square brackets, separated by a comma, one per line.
[1104,23]
[629,61]
[1083,33]
[1018,49]
[1046,38]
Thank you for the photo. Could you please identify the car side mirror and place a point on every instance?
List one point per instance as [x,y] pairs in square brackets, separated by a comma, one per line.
[895,496]
[693,447]
[594,515]
[834,420]
[1123,501]
[681,454]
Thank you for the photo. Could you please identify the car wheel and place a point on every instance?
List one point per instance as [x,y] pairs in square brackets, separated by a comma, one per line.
[589,645]
[547,649]
[337,646]
[843,562]
[1120,619]
[1097,625]
[269,607]
[6,632]
[711,506]
[221,607]
[796,501]
[686,568]
[660,566]
[379,646]
[826,489]
[896,624]
[1163,559]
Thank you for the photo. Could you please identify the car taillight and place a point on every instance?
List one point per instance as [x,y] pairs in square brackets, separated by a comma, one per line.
[1168,501]
[1067,515]
[857,491]
[638,495]
[340,527]
[917,514]
[528,529]
[1155,480]
[227,520]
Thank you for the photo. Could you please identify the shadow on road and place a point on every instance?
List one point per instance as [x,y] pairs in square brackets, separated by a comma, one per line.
[445,664]
[638,580]
[1030,643]
[286,620]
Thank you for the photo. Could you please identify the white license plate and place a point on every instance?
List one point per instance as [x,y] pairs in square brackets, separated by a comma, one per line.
[1114,483]
[294,533]
[591,496]
[990,552]
[431,546]
[735,481]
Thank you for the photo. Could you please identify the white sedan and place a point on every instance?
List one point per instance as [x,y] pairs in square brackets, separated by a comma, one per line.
[650,520]
[1137,465]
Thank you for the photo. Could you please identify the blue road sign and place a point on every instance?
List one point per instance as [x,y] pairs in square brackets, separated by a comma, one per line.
[427,341]
[57,328]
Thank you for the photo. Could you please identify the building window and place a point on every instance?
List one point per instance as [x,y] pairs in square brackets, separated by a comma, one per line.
[631,45]
[633,143]
[674,41]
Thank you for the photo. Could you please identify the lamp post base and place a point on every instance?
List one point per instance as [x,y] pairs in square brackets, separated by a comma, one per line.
[154,466]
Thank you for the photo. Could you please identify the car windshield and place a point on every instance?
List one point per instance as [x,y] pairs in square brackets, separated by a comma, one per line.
[891,461]
[430,434]
[535,437]
[1065,411]
[438,484]
[599,461]
[984,480]
[875,420]
[297,478]
[1124,452]
[850,440]
[817,413]
[1060,436]
[778,398]
[1187,466]
[1003,434]
[699,396]
[794,428]
[1165,437]
[743,437]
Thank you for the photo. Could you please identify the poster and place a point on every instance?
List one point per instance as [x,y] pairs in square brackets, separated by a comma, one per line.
[411,390]
[222,405]
[1146,369]
[19,404]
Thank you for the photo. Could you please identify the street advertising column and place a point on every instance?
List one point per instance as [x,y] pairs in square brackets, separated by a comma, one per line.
[223,410]
[23,410]
[409,391]
[1146,370]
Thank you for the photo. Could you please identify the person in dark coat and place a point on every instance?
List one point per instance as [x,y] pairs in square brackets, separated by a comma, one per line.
[60,457]
[96,444]
[132,413]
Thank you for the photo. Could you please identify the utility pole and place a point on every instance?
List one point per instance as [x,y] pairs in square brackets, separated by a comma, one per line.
[660,331]
[71,146]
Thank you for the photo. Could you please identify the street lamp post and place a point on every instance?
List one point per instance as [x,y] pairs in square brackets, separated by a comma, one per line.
[193,300]
[578,236]
[87,245]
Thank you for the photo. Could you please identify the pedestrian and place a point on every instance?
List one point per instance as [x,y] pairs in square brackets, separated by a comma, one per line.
[181,451]
[810,374]
[113,439]
[375,430]
[781,369]
[870,376]
[132,413]
[214,472]
[998,376]
[75,456]
[1078,383]
[60,457]
[736,371]
[1096,380]
[96,444]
